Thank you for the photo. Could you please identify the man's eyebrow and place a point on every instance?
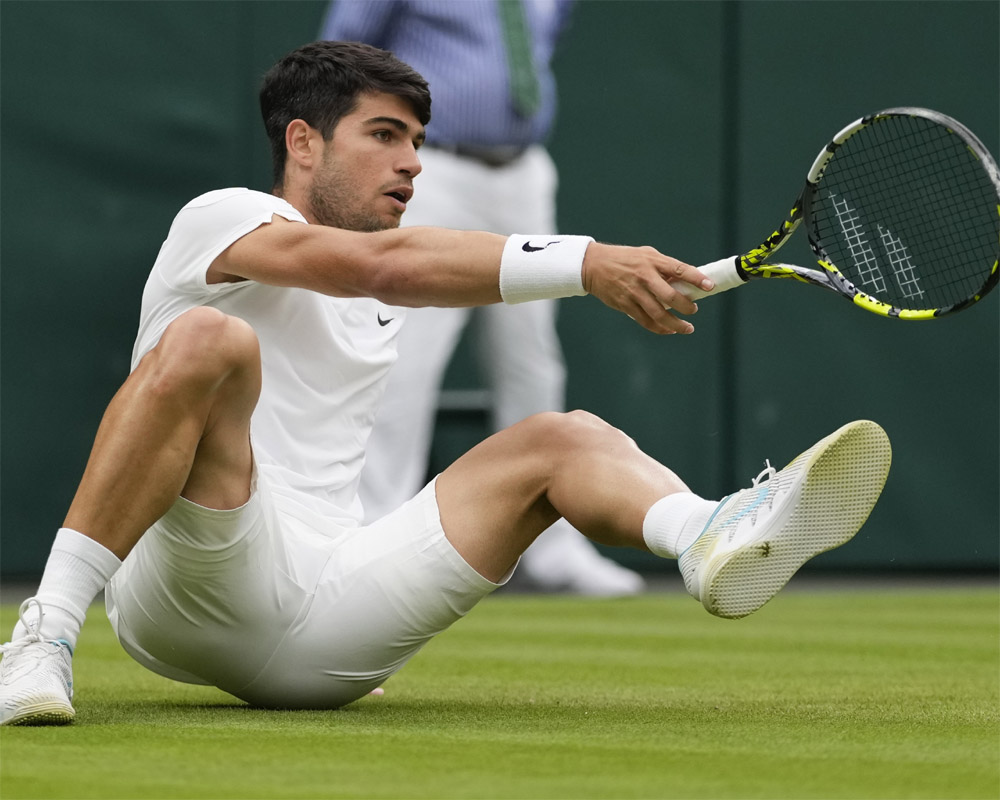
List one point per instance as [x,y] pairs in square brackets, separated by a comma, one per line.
[397,123]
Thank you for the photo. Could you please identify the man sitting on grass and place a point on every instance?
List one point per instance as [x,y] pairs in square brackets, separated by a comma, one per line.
[219,505]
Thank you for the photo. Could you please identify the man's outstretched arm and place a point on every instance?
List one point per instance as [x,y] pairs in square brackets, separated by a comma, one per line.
[441,267]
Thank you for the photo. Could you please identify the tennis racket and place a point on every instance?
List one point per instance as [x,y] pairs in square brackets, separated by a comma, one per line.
[902,210]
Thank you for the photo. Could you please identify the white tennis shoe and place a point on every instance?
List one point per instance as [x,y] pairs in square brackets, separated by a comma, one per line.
[759,537]
[36,676]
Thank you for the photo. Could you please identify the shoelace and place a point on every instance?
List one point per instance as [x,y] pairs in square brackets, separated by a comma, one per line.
[768,472]
[765,474]
[32,636]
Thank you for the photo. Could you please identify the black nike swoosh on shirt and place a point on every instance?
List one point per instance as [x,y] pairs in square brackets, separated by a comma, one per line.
[527,248]
[384,322]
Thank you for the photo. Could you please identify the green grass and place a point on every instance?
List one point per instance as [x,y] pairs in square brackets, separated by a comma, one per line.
[823,694]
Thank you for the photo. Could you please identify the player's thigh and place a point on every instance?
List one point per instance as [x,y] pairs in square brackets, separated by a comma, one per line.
[494,500]
[207,364]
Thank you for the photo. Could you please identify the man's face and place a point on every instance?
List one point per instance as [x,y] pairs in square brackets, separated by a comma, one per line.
[366,176]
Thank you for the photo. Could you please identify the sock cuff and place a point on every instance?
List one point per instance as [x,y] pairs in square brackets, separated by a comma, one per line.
[78,568]
[653,532]
[673,522]
[87,550]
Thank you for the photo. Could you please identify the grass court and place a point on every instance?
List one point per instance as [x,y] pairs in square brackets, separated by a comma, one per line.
[827,692]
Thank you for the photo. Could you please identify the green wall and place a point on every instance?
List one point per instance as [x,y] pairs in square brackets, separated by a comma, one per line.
[684,125]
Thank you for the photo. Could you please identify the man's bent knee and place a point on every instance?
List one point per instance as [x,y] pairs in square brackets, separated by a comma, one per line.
[570,422]
[203,346]
[207,333]
[571,430]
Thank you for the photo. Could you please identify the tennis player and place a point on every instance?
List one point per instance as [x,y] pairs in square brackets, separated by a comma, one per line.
[219,505]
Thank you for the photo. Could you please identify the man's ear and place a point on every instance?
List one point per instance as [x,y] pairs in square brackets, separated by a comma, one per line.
[303,143]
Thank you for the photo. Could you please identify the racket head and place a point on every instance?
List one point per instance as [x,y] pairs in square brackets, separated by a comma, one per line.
[902,210]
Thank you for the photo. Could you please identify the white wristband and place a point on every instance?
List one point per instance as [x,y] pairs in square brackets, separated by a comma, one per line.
[542,267]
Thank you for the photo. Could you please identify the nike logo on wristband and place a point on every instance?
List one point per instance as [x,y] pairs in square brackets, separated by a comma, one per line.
[384,322]
[527,248]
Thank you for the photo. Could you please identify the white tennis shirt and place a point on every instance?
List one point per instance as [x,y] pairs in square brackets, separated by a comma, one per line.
[324,359]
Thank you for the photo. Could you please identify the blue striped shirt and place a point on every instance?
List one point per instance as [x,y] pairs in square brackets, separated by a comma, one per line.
[458,46]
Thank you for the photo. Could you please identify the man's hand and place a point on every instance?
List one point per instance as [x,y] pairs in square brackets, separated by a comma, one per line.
[637,282]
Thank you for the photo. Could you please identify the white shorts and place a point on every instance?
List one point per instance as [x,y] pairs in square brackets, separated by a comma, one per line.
[259,604]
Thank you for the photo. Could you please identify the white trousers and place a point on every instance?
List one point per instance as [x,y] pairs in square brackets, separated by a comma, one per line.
[519,351]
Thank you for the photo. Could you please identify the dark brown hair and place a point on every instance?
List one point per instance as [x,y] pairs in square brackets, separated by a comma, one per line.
[321,82]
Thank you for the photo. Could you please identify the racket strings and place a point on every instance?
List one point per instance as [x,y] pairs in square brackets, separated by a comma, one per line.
[923,182]
[907,212]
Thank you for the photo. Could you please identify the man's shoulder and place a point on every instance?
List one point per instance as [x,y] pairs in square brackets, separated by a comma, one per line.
[238,195]
[219,211]
[218,195]
[209,224]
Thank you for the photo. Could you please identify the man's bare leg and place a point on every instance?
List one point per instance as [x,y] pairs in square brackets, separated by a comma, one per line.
[734,555]
[178,426]
[504,492]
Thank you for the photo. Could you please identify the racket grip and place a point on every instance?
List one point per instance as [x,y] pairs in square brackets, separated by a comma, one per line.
[723,272]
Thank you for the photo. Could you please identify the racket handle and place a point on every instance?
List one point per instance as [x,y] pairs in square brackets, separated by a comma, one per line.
[723,272]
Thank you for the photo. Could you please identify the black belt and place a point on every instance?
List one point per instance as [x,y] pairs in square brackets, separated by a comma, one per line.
[499,156]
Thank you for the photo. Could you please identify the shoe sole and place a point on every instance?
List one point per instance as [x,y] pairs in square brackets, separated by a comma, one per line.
[845,473]
[53,713]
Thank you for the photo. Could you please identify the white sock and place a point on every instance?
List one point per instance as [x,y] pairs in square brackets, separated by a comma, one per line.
[674,522]
[78,568]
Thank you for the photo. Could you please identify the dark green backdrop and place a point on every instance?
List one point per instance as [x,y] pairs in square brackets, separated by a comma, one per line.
[684,125]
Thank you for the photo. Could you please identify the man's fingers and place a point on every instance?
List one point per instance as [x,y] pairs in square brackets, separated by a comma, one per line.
[637,281]
[668,294]
[660,300]
[670,297]
[657,319]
